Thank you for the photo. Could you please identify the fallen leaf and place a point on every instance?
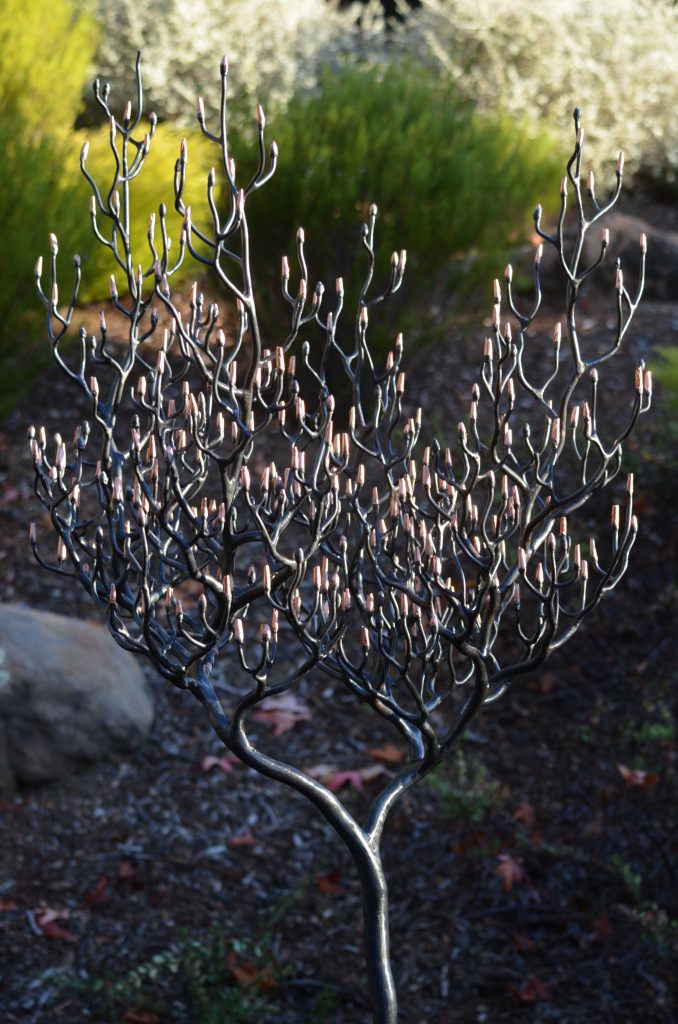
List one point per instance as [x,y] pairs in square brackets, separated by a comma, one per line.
[329,883]
[133,1016]
[282,713]
[522,942]
[47,919]
[225,763]
[126,871]
[636,777]
[244,839]
[534,991]
[527,815]
[98,894]
[602,925]
[389,753]
[510,870]
[246,973]
[335,779]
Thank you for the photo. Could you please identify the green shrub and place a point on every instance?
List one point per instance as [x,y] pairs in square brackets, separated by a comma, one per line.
[453,187]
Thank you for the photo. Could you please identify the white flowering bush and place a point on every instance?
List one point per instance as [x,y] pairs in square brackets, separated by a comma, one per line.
[617,60]
[273,48]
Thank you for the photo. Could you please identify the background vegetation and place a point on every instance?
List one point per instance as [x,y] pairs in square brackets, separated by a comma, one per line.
[452,122]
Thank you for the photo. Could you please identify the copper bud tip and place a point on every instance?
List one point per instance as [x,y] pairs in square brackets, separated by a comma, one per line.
[643,243]
[539,252]
[38,267]
[364,316]
[285,268]
[365,638]
[223,67]
[563,186]
[522,560]
[508,273]
[53,244]
[496,290]
[619,280]
[84,151]
[648,382]
[301,235]
[629,484]
[238,631]
[260,115]
[605,237]
[274,150]
[112,595]
[590,184]
[557,334]
[620,162]
[594,375]
[200,108]
[33,533]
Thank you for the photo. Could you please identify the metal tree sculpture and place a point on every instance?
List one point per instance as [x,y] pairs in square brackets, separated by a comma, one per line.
[403,571]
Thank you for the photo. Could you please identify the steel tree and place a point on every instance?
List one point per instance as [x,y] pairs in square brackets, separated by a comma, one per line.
[423,579]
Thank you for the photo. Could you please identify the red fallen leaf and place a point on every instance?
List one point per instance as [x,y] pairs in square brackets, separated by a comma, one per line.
[546,682]
[510,870]
[225,763]
[133,1016]
[98,894]
[46,919]
[602,925]
[335,779]
[6,905]
[389,753]
[282,713]
[534,991]
[329,883]
[522,942]
[126,871]
[636,777]
[526,814]
[244,839]
[246,973]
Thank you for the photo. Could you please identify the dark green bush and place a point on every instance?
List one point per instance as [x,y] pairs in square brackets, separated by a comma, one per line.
[454,188]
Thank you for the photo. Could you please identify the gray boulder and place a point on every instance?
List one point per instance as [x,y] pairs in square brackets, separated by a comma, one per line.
[68,696]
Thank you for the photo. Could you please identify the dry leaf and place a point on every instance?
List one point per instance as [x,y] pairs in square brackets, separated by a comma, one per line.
[636,777]
[329,883]
[133,1016]
[335,778]
[535,991]
[249,974]
[282,713]
[510,870]
[245,838]
[46,919]
[98,894]
[389,753]
[225,763]
[526,814]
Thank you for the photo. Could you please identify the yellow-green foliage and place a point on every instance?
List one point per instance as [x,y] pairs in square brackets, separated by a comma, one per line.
[45,53]
[46,50]
[154,185]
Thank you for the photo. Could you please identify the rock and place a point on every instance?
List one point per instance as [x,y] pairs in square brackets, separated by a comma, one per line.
[661,267]
[68,696]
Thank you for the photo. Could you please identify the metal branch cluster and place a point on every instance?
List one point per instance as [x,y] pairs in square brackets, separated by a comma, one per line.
[423,578]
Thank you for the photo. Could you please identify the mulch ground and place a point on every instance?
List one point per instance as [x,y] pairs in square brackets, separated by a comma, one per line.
[533,878]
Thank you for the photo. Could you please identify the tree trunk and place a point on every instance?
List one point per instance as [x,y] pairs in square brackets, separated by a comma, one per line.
[375,918]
